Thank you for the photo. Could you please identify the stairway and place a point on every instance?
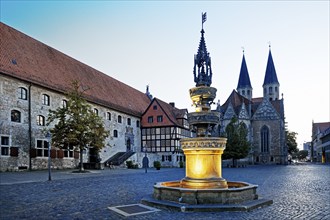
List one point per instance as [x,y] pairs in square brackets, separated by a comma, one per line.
[119,158]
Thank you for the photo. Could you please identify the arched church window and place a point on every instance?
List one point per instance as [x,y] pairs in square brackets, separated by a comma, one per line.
[275,88]
[243,92]
[264,139]
[270,90]
[248,92]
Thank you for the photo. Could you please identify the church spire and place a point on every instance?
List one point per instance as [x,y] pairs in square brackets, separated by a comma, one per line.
[244,87]
[271,85]
[202,62]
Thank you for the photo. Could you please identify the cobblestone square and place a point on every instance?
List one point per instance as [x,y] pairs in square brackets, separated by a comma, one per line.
[298,191]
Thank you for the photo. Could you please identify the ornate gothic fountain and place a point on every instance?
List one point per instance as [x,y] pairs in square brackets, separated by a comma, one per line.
[203,188]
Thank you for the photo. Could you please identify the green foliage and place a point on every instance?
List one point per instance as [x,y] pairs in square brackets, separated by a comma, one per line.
[157,164]
[302,154]
[237,146]
[76,124]
[131,165]
[291,142]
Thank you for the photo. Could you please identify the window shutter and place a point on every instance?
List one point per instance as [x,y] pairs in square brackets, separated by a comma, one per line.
[14,151]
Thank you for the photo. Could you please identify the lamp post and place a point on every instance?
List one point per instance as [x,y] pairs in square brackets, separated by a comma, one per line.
[48,136]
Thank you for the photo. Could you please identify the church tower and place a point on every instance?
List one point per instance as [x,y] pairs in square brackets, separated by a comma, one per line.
[271,85]
[244,87]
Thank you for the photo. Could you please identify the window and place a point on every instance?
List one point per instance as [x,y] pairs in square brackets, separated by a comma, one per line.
[64,103]
[4,145]
[109,116]
[248,92]
[96,111]
[243,92]
[22,93]
[275,88]
[42,148]
[128,121]
[119,119]
[40,120]
[159,118]
[155,107]
[264,139]
[68,152]
[115,133]
[270,90]
[45,99]
[150,119]
[15,116]
[166,158]
[137,123]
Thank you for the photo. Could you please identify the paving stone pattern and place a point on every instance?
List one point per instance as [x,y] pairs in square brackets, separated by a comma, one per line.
[298,192]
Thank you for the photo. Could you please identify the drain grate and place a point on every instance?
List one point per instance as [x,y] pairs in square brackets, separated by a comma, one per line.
[133,209]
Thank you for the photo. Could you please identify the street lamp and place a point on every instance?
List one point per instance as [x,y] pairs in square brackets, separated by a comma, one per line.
[48,136]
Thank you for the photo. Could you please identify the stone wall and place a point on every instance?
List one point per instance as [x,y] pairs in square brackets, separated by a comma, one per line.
[23,141]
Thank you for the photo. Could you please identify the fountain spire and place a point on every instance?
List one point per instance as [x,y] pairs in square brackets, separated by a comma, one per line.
[202,61]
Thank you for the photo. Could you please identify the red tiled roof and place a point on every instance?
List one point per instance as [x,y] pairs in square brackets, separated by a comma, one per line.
[27,59]
[171,113]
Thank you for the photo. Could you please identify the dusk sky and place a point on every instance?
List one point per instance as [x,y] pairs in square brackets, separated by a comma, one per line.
[153,43]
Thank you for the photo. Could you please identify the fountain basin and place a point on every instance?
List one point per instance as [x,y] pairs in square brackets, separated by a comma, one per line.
[236,193]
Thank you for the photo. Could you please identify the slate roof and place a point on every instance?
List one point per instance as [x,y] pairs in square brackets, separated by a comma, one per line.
[319,127]
[270,76]
[237,100]
[244,78]
[30,60]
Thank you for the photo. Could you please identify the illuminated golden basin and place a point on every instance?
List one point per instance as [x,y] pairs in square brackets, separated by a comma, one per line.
[203,162]
[237,192]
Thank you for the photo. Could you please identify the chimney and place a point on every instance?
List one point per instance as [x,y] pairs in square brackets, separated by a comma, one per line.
[172,104]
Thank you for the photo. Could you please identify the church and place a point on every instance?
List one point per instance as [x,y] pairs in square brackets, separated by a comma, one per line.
[262,116]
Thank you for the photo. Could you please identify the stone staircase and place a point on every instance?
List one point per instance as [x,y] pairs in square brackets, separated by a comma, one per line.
[119,158]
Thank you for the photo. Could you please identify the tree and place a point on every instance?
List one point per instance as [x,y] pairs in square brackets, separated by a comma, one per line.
[77,125]
[302,154]
[237,146]
[291,138]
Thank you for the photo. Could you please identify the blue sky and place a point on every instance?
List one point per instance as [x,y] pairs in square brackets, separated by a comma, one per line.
[154,42]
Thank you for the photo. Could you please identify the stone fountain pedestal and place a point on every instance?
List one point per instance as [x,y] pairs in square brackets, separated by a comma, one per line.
[203,162]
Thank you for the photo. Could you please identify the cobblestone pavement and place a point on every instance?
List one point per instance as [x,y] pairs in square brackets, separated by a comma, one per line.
[298,192]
